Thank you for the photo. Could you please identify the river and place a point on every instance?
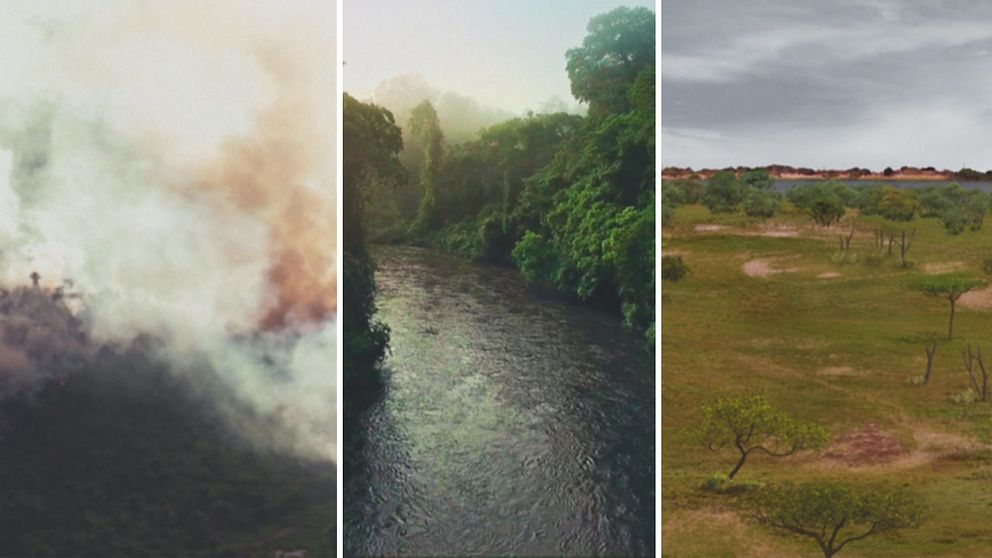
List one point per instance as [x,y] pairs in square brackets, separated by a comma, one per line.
[509,424]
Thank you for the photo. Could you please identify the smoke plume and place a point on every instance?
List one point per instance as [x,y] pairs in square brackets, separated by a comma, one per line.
[174,160]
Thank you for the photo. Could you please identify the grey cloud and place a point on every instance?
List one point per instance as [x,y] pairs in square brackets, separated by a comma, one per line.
[739,78]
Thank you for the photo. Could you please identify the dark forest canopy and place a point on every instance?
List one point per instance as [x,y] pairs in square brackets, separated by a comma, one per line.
[567,199]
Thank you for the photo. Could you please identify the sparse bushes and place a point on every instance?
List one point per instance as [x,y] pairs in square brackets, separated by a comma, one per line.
[958,209]
[987,266]
[966,397]
[724,192]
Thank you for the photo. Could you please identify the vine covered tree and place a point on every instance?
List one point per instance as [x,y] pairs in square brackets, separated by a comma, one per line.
[751,425]
[834,515]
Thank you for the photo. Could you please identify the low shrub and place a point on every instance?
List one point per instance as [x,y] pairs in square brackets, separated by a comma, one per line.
[987,266]
[966,397]
[722,484]
[873,260]
[673,268]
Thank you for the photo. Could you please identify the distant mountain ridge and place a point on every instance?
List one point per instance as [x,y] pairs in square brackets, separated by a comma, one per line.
[785,172]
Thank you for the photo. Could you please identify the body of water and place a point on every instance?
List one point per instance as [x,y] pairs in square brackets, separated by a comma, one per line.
[783,185]
[510,424]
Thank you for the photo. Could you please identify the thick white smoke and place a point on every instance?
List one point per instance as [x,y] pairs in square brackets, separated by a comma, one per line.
[175,161]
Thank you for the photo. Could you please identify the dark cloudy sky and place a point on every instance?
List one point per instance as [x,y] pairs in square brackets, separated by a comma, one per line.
[827,83]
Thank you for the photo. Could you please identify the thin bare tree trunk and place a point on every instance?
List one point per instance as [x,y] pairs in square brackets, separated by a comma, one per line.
[740,463]
[950,323]
[931,350]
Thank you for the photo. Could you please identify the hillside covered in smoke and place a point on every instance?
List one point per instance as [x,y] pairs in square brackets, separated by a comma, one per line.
[167,286]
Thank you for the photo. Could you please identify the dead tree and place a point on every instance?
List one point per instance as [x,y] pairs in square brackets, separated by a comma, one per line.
[879,238]
[982,389]
[904,247]
[931,349]
[845,242]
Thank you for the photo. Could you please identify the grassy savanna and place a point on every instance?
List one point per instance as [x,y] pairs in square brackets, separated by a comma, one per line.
[766,310]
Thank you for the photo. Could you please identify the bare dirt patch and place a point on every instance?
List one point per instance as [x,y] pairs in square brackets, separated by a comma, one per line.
[709,228]
[770,231]
[865,446]
[871,446]
[937,268]
[774,232]
[828,275]
[763,267]
[837,371]
[977,300]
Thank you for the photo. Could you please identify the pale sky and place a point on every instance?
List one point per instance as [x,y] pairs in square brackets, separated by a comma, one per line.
[827,83]
[507,54]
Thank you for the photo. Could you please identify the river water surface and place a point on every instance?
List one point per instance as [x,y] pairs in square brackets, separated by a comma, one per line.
[510,424]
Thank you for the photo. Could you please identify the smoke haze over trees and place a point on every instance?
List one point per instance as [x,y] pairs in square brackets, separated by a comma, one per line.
[167,233]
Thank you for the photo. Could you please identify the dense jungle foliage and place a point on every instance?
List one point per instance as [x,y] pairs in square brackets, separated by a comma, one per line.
[567,199]
[371,144]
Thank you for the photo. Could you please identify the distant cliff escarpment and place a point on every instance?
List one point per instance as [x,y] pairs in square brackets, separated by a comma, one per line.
[785,172]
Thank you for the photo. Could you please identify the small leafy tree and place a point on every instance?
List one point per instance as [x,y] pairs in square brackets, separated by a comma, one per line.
[826,210]
[834,515]
[723,193]
[750,424]
[758,178]
[954,219]
[897,205]
[949,286]
[761,203]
